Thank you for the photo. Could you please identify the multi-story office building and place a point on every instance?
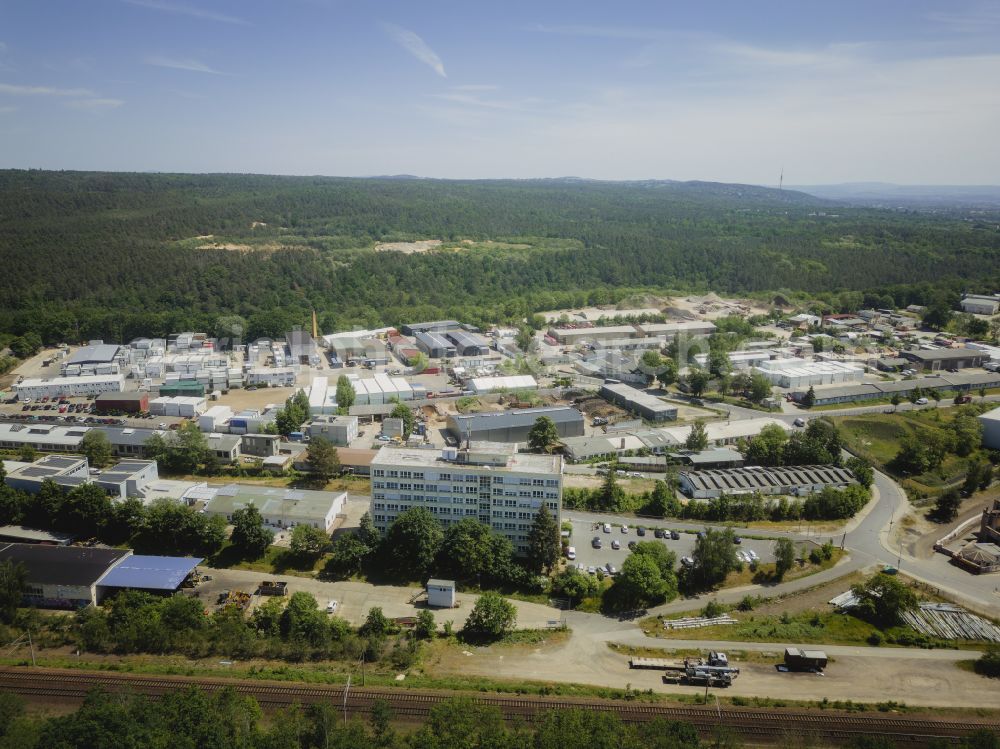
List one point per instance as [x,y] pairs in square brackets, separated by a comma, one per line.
[488,481]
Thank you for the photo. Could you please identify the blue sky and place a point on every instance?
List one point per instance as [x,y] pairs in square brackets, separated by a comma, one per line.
[901,91]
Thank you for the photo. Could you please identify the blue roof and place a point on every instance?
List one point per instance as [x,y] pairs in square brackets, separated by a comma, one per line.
[150,573]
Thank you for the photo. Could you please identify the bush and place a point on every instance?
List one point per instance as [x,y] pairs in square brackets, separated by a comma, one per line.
[713,609]
[989,663]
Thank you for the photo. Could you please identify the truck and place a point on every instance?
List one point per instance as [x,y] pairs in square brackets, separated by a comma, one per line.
[712,671]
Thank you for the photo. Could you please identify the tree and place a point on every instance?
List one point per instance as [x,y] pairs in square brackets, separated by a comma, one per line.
[639,583]
[27,453]
[883,599]
[968,434]
[760,388]
[470,550]
[667,374]
[862,471]
[290,418]
[367,532]
[543,434]
[323,460]
[784,557]
[412,542]
[347,554]
[938,315]
[989,663]
[13,578]
[96,447]
[426,627]
[376,623]
[895,400]
[574,585]
[946,506]
[181,451]
[492,618]
[809,400]
[767,448]
[85,510]
[662,500]
[543,540]
[697,381]
[697,438]
[610,495]
[308,542]
[345,393]
[249,534]
[402,411]
[714,556]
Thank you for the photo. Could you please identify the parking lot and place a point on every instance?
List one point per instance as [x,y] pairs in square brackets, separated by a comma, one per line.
[584,532]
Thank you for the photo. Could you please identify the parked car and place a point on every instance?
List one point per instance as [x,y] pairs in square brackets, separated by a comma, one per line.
[571,552]
[640,531]
[687,561]
[596,543]
[737,540]
[799,422]
[624,528]
[607,527]
[611,569]
[616,544]
[592,570]
[921,401]
[659,533]
[331,607]
[675,535]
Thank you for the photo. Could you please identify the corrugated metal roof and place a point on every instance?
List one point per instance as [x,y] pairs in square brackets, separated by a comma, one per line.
[150,572]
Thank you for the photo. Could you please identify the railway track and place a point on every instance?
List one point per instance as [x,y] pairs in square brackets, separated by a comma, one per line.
[754,725]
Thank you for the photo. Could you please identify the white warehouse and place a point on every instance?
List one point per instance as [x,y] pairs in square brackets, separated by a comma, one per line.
[797,373]
[481,385]
[83,385]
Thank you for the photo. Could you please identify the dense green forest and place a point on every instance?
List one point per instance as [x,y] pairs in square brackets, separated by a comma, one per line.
[116,256]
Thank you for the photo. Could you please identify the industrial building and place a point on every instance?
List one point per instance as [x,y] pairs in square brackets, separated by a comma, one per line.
[792,373]
[121,403]
[436,326]
[468,344]
[280,508]
[42,437]
[215,419]
[638,402]
[573,336]
[65,577]
[486,481]
[435,346]
[34,388]
[178,405]
[945,358]
[72,577]
[683,327]
[741,360]
[485,385]
[339,430]
[302,348]
[978,304]
[960,382]
[513,425]
[274,377]
[783,480]
[97,359]
[990,422]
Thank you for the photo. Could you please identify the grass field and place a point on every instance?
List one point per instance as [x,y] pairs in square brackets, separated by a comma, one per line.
[877,437]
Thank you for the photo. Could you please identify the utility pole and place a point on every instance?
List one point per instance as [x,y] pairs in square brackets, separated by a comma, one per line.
[346,690]
[31,645]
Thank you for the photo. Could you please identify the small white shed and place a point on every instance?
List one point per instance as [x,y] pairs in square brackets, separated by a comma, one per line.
[441,594]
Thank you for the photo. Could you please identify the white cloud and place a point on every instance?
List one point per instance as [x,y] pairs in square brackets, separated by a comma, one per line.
[15,90]
[980,18]
[604,32]
[186,63]
[477,101]
[94,104]
[416,46]
[187,10]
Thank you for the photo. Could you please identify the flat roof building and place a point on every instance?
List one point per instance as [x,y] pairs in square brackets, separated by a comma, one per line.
[990,422]
[978,304]
[632,399]
[488,481]
[280,508]
[512,425]
[80,386]
[482,385]
[946,358]
[572,336]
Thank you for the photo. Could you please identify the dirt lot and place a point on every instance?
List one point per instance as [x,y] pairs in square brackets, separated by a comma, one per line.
[243,399]
[914,677]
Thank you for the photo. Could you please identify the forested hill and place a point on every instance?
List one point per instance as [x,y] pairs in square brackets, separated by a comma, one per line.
[119,255]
